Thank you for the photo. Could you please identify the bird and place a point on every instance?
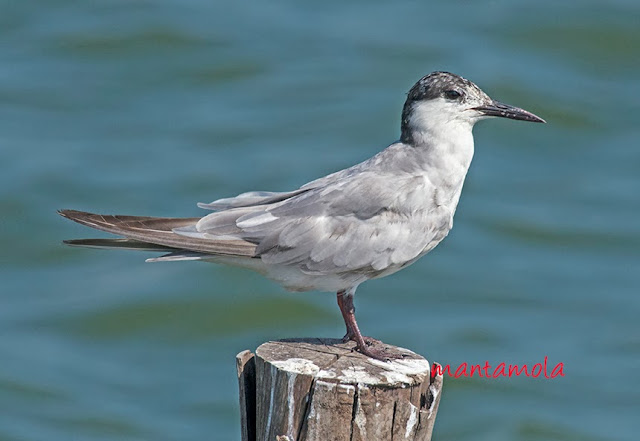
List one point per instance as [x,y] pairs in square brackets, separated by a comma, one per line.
[334,233]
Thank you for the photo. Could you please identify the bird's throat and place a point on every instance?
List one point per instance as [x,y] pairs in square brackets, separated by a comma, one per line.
[446,157]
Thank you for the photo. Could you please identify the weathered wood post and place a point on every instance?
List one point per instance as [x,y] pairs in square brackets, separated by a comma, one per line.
[322,390]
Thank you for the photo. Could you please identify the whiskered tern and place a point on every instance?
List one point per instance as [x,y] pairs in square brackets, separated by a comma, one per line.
[332,234]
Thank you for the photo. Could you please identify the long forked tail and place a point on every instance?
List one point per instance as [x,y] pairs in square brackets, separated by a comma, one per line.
[153,234]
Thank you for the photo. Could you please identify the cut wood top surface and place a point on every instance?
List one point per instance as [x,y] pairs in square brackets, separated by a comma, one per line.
[333,361]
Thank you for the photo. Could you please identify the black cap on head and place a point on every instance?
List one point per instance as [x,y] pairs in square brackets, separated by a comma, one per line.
[438,84]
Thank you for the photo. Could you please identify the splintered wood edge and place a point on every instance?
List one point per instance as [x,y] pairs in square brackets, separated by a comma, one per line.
[246,369]
[434,393]
[242,359]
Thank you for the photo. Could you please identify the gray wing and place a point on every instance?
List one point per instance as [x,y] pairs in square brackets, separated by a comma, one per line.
[364,222]
[249,199]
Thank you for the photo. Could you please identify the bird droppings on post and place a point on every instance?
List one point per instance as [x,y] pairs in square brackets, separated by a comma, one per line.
[320,389]
[398,371]
[413,419]
[297,365]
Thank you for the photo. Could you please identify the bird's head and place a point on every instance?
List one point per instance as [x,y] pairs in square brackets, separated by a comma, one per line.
[444,101]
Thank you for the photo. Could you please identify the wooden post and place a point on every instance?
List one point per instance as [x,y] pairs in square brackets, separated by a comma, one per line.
[322,390]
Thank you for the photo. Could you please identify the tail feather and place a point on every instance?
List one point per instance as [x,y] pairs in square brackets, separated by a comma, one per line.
[144,231]
[122,244]
[177,256]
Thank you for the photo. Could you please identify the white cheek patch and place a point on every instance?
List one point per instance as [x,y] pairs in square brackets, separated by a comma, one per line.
[441,121]
[433,113]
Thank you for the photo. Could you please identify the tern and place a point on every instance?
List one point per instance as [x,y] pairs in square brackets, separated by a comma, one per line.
[364,222]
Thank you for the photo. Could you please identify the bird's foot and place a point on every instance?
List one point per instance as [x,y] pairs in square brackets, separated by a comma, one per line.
[371,347]
[367,340]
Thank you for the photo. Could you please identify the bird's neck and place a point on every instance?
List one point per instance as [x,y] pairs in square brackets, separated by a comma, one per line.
[445,153]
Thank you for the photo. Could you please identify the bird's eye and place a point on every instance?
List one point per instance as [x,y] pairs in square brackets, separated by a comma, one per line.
[452,94]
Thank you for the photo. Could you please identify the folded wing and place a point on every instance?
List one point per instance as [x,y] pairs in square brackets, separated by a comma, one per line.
[349,225]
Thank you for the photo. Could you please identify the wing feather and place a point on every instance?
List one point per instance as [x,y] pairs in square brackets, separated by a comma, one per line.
[251,198]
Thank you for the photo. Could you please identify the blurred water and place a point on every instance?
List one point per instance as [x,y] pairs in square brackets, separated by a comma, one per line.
[148,107]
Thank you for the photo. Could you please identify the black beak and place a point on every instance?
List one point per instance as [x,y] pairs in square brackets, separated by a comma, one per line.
[496,108]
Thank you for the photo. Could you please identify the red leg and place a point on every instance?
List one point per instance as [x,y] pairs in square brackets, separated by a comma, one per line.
[345,303]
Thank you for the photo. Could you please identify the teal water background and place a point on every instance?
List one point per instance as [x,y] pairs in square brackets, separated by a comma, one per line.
[148,107]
